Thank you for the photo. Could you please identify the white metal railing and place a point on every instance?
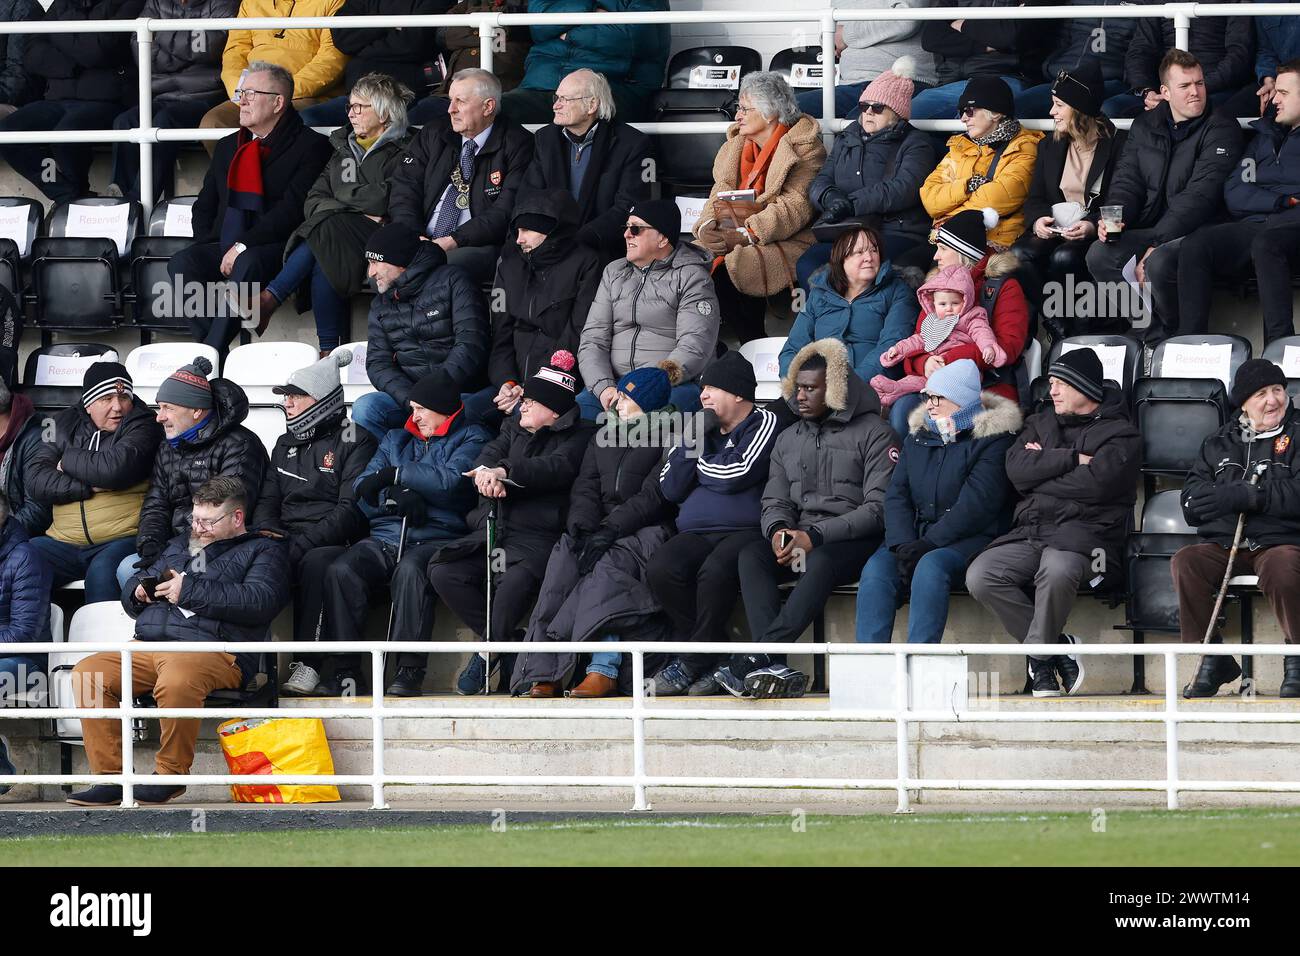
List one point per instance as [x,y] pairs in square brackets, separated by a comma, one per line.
[487,24]
[901,715]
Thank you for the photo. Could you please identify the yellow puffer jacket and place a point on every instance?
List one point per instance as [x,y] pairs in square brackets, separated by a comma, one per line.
[106,515]
[944,190]
[310,55]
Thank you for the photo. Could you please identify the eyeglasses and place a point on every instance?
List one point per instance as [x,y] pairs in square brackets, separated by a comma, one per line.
[876,108]
[932,400]
[357,107]
[242,94]
[204,524]
[742,110]
[966,112]
[557,98]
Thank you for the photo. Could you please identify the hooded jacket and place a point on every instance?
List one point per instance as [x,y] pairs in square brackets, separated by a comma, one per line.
[1069,506]
[540,300]
[881,315]
[222,448]
[1172,187]
[435,469]
[617,179]
[118,462]
[828,477]
[431,317]
[25,582]
[972,328]
[721,489]
[956,494]
[186,68]
[310,55]
[307,494]
[882,175]
[1227,457]
[352,186]
[944,191]
[641,316]
[296,155]
[781,228]
[1274,153]
[233,588]
[424,174]
[85,66]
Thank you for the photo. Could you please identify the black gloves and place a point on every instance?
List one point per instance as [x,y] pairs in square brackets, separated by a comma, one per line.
[370,486]
[1229,498]
[411,506]
[907,556]
[836,205]
[148,552]
[594,547]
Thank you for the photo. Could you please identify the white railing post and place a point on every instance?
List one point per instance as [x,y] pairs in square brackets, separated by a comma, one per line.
[901,704]
[486,37]
[1183,24]
[126,700]
[638,732]
[1171,729]
[828,81]
[377,798]
[144,39]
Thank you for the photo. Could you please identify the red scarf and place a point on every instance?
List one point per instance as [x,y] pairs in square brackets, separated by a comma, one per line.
[244,200]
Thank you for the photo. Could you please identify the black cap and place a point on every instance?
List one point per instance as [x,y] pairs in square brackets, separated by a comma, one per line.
[394,244]
[732,374]
[663,215]
[988,93]
[1081,87]
[1253,375]
[437,391]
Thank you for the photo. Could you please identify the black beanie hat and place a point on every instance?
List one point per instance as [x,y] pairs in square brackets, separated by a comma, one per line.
[437,391]
[988,92]
[105,378]
[1251,377]
[394,244]
[732,374]
[1080,368]
[968,231]
[1081,88]
[554,384]
[662,214]
[536,221]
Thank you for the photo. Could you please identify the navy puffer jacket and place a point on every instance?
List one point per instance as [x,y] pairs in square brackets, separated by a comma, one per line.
[25,581]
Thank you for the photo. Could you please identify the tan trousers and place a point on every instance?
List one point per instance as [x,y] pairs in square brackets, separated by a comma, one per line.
[177,680]
[225,115]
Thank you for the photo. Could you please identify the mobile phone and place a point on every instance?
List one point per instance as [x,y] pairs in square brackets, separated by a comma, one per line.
[149,584]
[783,539]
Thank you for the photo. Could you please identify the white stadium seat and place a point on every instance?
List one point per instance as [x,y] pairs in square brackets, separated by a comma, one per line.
[150,365]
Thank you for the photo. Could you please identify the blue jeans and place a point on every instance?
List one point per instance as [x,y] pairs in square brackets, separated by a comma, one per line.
[685,398]
[378,413]
[605,663]
[126,568]
[332,310]
[928,612]
[940,102]
[97,564]
[846,100]
[1035,102]
[899,412]
[16,673]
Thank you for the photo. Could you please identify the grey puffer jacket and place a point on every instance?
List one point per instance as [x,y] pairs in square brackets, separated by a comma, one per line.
[668,310]
[187,65]
[829,477]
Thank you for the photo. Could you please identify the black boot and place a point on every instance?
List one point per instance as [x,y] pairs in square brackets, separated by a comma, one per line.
[1290,677]
[1214,672]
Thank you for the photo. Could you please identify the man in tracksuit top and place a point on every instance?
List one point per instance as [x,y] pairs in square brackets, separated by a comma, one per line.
[694,575]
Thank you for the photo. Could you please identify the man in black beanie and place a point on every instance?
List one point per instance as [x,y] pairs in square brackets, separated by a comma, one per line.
[1076,467]
[1258,446]
[427,315]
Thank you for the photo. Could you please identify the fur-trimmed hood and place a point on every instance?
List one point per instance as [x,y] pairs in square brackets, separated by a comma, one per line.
[847,396]
[1001,416]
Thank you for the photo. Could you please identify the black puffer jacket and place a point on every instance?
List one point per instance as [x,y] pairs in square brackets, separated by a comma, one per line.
[1226,457]
[187,65]
[432,317]
[307,494]
[617,466]
[1064,504]
[85,66]
[616,180]
[117,460]
[16,466]
[402,53]
[234,589]
[980,46]
[1174,187]
[539,302]
[1224,45]
[223,447]
[17,85]
[499,169]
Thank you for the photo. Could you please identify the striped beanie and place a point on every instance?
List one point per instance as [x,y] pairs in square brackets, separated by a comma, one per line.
[1080,369]
[105,378]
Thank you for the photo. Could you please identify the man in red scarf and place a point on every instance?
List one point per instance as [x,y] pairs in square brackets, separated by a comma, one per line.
[251,201]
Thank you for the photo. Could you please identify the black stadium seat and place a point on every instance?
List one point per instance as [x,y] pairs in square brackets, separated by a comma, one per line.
[1099,343]
[158,224]
[1174,416]
[16,243]
[784,61]
[51,388]
[152,301]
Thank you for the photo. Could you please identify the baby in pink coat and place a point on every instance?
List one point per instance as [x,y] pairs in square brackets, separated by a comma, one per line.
[949,319]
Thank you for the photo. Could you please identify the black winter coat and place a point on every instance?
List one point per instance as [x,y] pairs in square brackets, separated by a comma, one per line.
[297,155]
[499,170]
[539,302]
[1069,506]
[1045,187]
[882,173]
[1274,151]
[1224,45]
[17,86]
[184,70]
[307,493]
[118,460]
[614,472]
[401,53]
[19,463]
[234,588]
[1226,457]
[85,66]
[960,54]
[617,179]
[223,447]
[432,316]
[1174,187]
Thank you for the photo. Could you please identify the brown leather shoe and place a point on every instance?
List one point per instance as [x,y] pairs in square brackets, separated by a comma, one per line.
[266,306]
[595,685]
[545,688]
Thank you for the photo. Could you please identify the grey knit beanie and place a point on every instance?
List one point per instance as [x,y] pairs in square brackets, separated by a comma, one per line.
[188,386]
[319,379]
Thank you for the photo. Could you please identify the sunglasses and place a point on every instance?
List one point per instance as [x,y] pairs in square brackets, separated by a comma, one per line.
[634,228]
[876,108]
[966,111]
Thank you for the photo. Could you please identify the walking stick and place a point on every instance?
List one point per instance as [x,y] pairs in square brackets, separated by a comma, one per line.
[1232,557]
[392,605]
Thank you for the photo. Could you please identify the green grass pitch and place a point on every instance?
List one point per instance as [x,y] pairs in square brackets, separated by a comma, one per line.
[1117,838]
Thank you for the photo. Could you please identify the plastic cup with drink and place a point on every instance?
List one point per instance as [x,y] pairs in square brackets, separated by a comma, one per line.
[1112,218]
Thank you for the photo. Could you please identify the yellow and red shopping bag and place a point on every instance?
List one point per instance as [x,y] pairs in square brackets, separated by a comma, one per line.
[277,745]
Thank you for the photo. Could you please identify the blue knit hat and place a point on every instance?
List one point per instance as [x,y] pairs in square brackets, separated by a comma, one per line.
[958,382]
[648,387]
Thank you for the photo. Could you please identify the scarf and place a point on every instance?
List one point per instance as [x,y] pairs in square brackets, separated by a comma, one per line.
[1004,132]
[1248,433]
[963,419]
[305,426]
[244,199]
[935,331]
[754,161]
[191,433]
